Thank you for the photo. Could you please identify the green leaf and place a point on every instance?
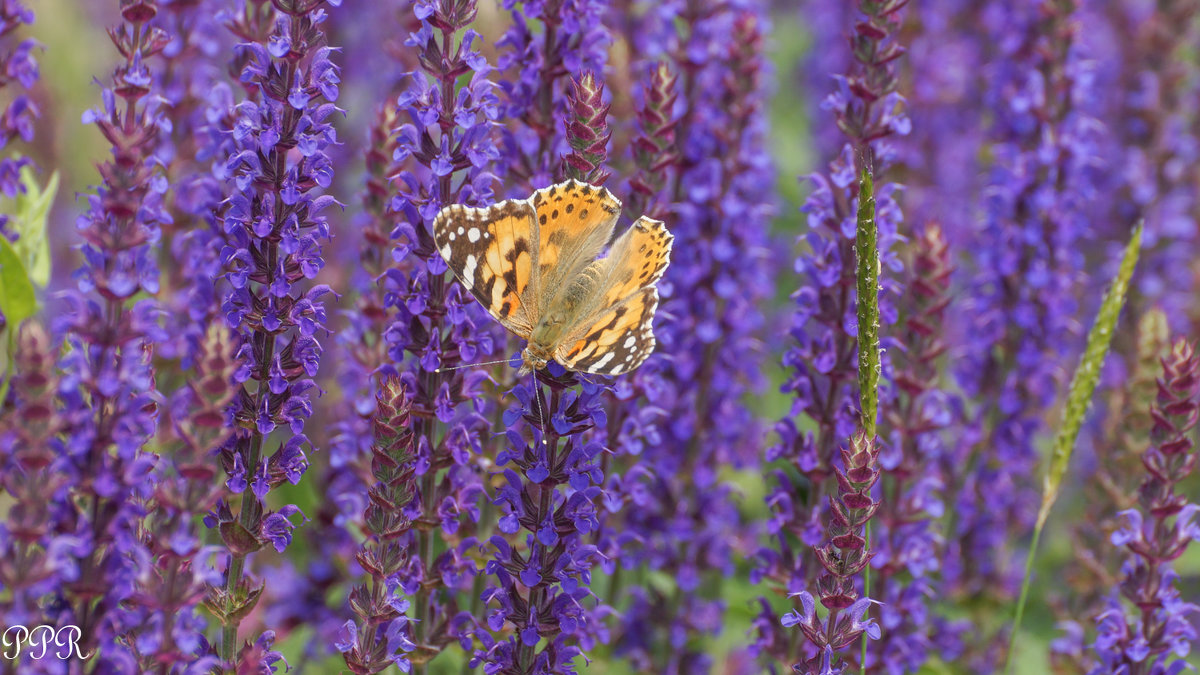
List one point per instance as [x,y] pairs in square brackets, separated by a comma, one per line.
[28,216]
[866,250]
[1087,375]
[17,298]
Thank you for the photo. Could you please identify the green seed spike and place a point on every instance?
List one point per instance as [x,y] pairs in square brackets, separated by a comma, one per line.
[1087,375]
[1079,397]
[866,250]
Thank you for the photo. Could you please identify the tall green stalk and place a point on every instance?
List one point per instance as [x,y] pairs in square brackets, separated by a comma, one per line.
[1079,397]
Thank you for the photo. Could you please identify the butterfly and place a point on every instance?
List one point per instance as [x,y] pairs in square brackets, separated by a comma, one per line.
[532,263]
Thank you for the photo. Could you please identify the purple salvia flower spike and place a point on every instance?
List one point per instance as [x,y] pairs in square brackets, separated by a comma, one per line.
[587,131]
[386,553]
[654,148]
[272,247]
[906,542]
[444,152]
[29,448]
[541,587]
[185,485]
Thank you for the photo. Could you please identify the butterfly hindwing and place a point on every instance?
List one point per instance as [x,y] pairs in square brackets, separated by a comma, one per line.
[615,335]
[617,340]
[573,222]
[493,252]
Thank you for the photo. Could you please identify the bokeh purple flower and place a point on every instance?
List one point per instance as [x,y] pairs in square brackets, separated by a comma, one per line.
[1023,287]
[699,149]
[18,73]
[1151,142]
[111,326]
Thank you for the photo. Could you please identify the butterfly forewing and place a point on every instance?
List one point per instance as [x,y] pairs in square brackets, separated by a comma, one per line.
[493,252]
[638,259]
[574,222]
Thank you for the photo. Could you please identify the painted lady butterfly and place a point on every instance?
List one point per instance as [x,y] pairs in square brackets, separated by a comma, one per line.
[532,263]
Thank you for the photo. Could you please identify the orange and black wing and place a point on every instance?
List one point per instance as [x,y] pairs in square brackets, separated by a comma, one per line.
[617,335]
[574,223]
[493,252]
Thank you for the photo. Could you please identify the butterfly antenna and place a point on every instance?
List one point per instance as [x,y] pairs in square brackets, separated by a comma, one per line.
[537,397]
[471,365]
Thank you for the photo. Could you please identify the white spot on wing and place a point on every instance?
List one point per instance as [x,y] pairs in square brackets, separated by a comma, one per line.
[445,251]
[603,361]
[469,271]
[473,234]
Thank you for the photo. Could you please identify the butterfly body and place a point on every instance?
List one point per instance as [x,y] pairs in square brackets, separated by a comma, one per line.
[532,263]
